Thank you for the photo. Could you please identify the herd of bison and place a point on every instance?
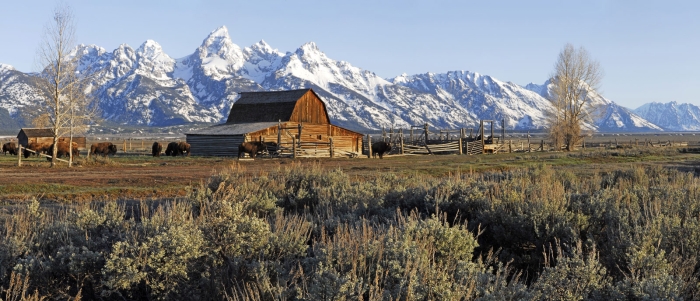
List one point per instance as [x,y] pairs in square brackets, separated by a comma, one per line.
[103,149]
[173,149]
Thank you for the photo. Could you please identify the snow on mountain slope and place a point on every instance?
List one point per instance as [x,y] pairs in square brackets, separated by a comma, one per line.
[671,116]
[483,97]
[136,87]
[16,90]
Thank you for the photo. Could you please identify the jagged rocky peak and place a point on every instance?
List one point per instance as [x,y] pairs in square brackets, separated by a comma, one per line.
[218,43]
[5,68]
[150,48]
[263,47]
[309,49]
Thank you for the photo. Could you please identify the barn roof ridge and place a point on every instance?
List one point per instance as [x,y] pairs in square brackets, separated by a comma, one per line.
[271,96]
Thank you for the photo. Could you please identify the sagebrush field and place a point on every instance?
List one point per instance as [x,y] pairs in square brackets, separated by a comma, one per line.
[596,225]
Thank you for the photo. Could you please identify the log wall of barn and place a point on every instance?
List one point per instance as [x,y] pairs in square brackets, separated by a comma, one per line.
[343,139]
[211,145]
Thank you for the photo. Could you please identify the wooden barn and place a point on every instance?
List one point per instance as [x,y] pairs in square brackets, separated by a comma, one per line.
[45,135]
[294,123]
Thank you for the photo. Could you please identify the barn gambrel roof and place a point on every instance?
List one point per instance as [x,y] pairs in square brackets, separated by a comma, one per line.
[270,106]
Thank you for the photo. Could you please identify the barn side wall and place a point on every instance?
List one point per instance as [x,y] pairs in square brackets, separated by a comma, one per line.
[211,145]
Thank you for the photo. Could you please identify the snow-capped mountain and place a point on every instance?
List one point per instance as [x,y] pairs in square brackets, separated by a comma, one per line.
[145,86]
[671,116]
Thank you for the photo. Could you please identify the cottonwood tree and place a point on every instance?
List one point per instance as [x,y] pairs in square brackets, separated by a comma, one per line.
[576,78]
[61,83]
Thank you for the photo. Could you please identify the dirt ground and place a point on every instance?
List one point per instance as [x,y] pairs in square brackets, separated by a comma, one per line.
[138,176]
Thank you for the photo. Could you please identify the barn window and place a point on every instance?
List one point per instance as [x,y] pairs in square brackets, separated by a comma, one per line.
[319,137]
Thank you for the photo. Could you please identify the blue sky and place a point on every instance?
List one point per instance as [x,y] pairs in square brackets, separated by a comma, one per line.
[649,50]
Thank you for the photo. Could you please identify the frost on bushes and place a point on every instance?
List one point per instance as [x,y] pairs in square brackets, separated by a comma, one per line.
[161,259]
[572,277]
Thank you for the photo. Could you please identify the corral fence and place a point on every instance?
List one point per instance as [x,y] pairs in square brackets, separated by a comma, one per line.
[424,140]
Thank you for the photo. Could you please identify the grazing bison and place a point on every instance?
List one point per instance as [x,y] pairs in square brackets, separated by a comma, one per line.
[157,149]
[10,147]
[251,148]
[182,148]
[171,150]
[177,148]
[379,148]
[103,148]
[64,150]
[38,148]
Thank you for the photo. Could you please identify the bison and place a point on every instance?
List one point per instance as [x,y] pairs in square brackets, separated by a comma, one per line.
[38,148]
[379,148]
[157,149]
[177,148]
[183,147]
[103,148]
[10,147]
[251,148]
[64,150]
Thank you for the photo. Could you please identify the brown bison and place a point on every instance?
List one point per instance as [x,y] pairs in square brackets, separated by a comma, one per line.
[157,149]
[64,150]
[183,147]
[379,148]
[10,147]
[251,148]
[177,148]
[103,148]
[38,148]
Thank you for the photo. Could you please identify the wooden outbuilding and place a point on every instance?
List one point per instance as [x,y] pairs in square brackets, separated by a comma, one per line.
[294,123]
[45,135]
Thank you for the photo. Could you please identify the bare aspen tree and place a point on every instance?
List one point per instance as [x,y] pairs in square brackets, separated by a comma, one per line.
[576,78]
[61,83]
[82,111]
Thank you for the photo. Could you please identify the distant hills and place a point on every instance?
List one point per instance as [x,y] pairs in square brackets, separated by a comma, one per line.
[146,87]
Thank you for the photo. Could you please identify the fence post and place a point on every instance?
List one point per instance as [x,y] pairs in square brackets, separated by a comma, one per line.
[510,146]
[529,149]
[401,143]
[294,148]
[460,145]
[330,139]
[482,133]
[468,151]
[426,134]
[369,146]
[19,155]
[299,127]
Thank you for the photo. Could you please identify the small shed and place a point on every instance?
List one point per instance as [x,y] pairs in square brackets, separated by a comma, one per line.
[45,135]
[291,120]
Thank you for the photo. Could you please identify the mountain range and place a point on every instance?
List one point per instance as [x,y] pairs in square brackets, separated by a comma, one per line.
[146,87]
